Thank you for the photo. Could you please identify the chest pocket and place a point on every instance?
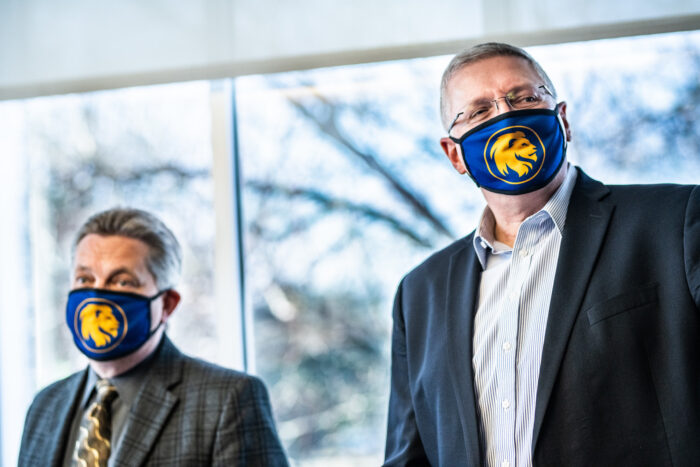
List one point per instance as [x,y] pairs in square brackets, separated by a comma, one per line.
[628,301]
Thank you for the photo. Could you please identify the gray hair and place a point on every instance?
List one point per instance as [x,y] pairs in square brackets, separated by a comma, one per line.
[164,259]
[481,52]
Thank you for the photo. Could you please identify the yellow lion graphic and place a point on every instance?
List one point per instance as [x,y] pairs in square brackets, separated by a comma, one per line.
[98,321]
[510,149]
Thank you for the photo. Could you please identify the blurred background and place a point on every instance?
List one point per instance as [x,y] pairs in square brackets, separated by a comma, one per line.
[293,148]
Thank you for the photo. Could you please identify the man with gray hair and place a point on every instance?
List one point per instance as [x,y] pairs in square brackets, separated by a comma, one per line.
[141,401]
[564,330]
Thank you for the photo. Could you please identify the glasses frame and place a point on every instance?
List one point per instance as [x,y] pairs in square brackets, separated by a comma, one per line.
[495,101]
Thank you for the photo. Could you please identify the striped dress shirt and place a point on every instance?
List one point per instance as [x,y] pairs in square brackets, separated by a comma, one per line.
[509,326]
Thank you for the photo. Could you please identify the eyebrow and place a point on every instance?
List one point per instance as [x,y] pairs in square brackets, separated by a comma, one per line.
[112,274]
[122,270]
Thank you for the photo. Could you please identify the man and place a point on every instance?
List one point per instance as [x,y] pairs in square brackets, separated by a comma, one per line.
[565,329]
[140,401]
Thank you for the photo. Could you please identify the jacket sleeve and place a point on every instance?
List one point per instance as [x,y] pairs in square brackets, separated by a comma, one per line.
[403,443]
[691,244]
[246,433]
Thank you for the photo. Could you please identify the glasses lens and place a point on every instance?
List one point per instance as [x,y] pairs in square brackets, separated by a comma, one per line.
[525,99]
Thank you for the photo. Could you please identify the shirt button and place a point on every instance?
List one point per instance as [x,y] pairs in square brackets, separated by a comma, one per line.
[483,244]
[505,404]
[505,464]
[506,346]
[524,252]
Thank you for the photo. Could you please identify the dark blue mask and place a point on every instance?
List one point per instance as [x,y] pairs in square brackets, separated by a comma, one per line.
[516,152]
[106,324]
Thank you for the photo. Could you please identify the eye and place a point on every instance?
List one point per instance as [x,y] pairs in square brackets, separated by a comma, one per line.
[128,283]
[526,100]
[82,280]
[125,281]
[478,112]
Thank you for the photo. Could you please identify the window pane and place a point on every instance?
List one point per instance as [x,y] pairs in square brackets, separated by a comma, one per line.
[94,151]
[346,189]
[145,147]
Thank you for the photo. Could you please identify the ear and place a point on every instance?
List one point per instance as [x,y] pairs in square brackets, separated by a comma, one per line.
[452,152]
[562,114]
[171,298]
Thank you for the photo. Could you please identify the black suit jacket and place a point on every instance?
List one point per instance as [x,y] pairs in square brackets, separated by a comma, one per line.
[188,413]
[619,382]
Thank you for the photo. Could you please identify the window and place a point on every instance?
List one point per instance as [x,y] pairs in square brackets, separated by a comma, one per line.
[344,189]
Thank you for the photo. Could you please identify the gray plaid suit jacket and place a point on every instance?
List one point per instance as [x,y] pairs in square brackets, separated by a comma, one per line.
[189,412]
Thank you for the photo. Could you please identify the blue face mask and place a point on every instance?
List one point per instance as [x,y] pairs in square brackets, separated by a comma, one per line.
[106,324]
[516,152]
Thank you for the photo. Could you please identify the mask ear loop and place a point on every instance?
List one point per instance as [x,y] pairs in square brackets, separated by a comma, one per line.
[150,299]
[561,126]
[160,292]
[563,131]
[464,158]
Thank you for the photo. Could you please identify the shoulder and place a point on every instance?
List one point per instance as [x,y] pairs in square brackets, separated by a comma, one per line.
[635,194]
[211,372]
[202,376]
[659,204]
[655,194]
[663,202]
[196,377]
[435,267]
[47,413]
[57,393]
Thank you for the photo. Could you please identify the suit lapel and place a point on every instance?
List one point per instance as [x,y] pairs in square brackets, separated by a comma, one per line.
[586,224]
[62,419]
[152,406]
[462,286]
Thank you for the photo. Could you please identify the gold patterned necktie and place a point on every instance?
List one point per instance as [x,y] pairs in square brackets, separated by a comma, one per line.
[93,446]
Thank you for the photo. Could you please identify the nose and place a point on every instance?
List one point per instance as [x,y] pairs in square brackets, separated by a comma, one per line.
[100,284]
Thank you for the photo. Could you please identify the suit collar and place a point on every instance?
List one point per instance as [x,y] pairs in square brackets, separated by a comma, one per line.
[462,288]
[586,224]
[152,405]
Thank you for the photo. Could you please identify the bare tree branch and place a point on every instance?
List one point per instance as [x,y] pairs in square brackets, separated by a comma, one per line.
[333,203]
[329,127]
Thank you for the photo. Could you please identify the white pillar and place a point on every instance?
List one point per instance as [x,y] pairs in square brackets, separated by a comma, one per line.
[228,265]
[17,375]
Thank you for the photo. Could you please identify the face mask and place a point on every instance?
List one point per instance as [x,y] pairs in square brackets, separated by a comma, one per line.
[516,152]
[106,324]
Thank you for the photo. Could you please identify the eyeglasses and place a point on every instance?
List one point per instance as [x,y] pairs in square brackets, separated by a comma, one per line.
[518,99]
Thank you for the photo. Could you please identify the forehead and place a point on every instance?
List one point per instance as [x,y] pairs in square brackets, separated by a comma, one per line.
[489,78]
[110,250]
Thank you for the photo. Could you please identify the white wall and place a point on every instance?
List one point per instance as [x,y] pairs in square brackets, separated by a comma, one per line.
[49,46]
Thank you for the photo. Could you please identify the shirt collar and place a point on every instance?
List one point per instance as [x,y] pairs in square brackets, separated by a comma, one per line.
[557,206]
[89,387]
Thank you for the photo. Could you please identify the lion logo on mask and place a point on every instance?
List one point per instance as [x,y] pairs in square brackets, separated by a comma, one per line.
[515,152]
[98,322]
